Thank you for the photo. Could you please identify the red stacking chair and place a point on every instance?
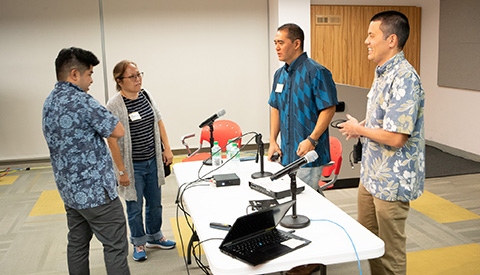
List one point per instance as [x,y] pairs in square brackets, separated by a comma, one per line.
[333,166]
[223,131]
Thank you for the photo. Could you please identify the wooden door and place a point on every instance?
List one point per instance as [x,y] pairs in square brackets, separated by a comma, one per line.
[339,43]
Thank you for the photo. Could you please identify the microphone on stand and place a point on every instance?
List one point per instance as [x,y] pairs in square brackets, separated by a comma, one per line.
[211,119]
[294,166]
[260,153]
[294,220]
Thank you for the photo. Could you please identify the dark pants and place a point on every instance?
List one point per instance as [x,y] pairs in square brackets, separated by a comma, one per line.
[107,222]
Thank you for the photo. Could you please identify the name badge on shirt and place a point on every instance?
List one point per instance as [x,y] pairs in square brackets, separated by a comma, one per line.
[279,88]
[134,116]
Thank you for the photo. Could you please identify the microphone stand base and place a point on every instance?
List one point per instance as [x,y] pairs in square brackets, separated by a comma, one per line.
[258,175]
[207,162]
[299,221]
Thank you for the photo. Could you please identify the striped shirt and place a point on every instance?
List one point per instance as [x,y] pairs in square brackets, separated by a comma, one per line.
[141,122]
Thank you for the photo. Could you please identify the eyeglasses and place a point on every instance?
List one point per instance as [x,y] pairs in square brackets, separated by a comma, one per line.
[133,77]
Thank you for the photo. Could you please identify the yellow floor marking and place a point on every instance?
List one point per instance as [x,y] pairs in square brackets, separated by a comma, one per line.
[460,259]
[441,210]
[49,203]
[178,159]
[7,180]
[186,235]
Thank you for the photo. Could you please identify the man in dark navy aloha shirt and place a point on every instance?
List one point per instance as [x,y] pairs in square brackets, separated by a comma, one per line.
[74,126]
[303,101]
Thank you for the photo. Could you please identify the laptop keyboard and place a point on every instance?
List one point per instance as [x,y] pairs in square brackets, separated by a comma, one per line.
[251,245]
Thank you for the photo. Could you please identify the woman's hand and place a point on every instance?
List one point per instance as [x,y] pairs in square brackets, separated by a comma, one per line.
[167,156]
[124,180]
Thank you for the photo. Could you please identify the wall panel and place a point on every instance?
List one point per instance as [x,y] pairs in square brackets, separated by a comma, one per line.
[32,33]
[198,57]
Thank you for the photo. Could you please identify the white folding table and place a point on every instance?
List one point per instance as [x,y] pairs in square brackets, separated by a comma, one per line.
[330,244]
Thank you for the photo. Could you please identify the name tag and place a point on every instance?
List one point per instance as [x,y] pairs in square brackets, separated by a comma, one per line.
[134,116]
[279,88]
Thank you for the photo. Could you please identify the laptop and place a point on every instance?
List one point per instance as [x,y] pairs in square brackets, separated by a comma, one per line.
[255,238]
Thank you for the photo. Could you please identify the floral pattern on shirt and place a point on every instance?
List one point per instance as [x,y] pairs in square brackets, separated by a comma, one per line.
[74,125]
[395,104]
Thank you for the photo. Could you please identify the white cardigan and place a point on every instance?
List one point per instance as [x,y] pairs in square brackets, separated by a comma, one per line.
[116,105]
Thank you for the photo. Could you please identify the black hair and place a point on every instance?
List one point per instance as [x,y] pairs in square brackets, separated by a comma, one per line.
[393,22]
[294,32]
[73,58]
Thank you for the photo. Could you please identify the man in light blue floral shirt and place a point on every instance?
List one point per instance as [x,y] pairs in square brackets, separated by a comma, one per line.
[393,159]
[74,126]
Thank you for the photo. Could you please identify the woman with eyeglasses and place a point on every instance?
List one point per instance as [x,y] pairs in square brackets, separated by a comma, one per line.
[139,158]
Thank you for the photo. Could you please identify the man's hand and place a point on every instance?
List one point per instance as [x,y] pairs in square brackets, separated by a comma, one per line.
[304,147]
[350,127]
[272,149]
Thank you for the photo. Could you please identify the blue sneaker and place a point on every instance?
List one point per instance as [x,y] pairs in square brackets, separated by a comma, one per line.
[139,253]
[163,243]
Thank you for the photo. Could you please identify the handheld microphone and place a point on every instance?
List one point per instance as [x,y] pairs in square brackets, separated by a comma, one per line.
[211,119]
[293,166]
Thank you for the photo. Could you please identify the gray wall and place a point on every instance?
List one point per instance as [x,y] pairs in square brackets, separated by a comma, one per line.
[355,99]
[198,57]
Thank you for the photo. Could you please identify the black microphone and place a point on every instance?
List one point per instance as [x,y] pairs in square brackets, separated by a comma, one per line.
[211,119]
[293,166]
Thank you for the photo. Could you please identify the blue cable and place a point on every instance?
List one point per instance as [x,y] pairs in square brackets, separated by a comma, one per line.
[354,248]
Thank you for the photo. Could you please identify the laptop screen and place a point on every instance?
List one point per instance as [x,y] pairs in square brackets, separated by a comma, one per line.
[257,222]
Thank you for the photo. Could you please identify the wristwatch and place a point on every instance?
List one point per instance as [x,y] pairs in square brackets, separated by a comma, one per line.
[314,142]
[121,173]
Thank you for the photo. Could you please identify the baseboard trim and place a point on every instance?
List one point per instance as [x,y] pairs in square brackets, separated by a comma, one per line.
[43,160]
[17,163]
[179,152]
[454,151]
[176,152]
[346,183]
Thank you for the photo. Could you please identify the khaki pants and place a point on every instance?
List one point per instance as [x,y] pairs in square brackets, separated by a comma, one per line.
[386,219]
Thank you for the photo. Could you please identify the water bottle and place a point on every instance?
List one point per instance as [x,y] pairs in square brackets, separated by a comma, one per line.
[216,155]
[235,154]
[229,149]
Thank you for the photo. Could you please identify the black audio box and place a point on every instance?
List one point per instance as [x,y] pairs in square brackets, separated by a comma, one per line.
[226,180]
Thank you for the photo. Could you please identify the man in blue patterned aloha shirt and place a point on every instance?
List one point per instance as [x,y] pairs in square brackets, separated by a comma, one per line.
[393,159]
[74,126]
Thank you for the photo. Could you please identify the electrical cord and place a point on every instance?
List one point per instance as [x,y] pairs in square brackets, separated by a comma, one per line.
[228,160]
[4,172]
[353,244]
[350,159]
[355,154]
[198,259]
[9,171]
[249,206]
[181,207]
[335,123]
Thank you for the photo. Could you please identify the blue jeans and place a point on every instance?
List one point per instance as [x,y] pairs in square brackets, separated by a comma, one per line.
[146,185]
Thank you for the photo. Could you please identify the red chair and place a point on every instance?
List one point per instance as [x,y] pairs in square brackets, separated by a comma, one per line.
[223,131]
[333,166]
